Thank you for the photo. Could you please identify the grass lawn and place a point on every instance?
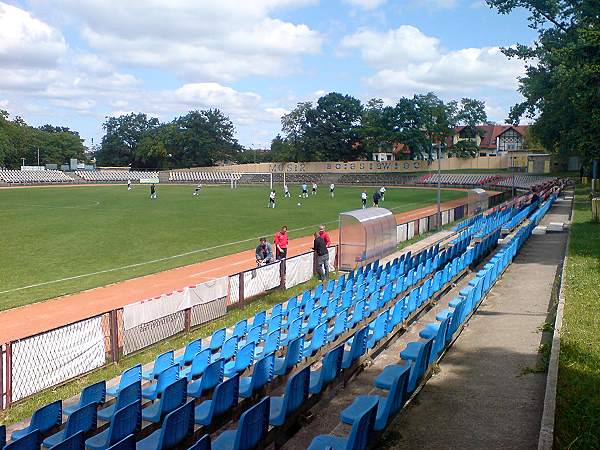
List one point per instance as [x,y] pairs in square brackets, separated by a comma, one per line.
[49,234]
[578,392]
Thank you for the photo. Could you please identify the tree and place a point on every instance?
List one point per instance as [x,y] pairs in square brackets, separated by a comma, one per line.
[123,135]
[471,113]
[438,119]
[332,129]
[373,133]
[563,74]
[282,150]
[294,125]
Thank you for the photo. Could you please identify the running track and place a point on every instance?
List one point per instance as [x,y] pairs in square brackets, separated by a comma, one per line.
[31,319]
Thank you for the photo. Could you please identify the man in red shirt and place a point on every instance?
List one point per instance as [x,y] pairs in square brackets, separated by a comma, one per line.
[281,243]
[325,235]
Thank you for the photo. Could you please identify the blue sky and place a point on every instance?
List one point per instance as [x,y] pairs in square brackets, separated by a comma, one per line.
[72,63]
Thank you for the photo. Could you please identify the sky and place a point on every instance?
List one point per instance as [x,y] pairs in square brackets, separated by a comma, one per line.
[75,62]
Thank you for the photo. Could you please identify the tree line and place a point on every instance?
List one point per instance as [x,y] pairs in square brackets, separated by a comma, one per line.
[340,128]
[19,140]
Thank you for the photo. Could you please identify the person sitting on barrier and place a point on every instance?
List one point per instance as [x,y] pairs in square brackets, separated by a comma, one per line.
[264,253]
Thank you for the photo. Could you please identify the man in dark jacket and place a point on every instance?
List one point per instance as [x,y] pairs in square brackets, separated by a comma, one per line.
[322,255]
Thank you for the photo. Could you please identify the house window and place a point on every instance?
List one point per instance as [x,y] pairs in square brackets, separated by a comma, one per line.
[510,140]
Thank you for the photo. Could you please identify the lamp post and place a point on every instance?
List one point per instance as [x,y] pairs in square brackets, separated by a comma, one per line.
[439,188]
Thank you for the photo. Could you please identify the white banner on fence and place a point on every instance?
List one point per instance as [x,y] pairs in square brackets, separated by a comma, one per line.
[401,231]
[411,231]
[261,279]
[332,258]
[234,289]
[451,215]
[298,269]
[147,311]
[423,225]
[444,217]
[50,358]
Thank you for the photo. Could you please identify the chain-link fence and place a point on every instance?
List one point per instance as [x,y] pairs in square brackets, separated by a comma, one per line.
[50,358]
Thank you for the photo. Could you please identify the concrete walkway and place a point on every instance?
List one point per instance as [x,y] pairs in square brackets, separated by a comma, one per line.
[488,392]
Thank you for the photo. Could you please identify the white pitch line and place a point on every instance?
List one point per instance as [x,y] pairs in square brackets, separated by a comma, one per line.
[130,266]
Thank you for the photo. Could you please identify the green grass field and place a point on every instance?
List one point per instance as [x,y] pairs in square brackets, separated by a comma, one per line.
[55,233]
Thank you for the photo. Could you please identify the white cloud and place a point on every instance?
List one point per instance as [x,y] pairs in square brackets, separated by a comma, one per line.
[366,4]
[219,41]
[393,48]
[26,41]
[408,61]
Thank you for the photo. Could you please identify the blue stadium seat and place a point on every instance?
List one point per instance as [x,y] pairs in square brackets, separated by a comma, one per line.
[276,310]
[294,330]
[162,361]
[386,406]
[259,319]
[314,319]
[225,397]
[417,369]
[339,326]
[331,308]
[27,441]
[173,397]
[165,378]
[217,339]
[331,368]
[271,344]
[43,420]
[243,360]
[128,376]
[440,339]
[2,436]
[94,393]
[292,357]
[178,426]
[126,421]
[212,376]
[228,349]
[240,328]
[252,429]
[127,443]
[254,335]
[296,392]
[74,442]
[191,349]
[274,323]
[378,328]
[317,341]
[200,362]
[262,373]
[292,304]
[126,396]
[358,313]
[202,444]
[358,347]
[82,419]
[358,438]
[292,316]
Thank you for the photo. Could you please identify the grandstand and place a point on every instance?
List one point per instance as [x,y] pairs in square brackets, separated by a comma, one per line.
[194,176]
[34,176]
[114,175]
[265,374]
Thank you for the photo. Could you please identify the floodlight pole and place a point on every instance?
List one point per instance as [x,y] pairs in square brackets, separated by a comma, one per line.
[439,189]
[512,162]
[38,156]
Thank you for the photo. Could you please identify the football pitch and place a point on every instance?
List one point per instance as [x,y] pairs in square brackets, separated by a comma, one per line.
[49,235]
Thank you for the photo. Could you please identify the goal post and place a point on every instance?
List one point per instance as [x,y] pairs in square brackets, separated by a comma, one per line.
[265,174]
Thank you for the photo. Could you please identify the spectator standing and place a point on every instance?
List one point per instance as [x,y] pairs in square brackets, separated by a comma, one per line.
[281,243]
[322,255]
[325,235]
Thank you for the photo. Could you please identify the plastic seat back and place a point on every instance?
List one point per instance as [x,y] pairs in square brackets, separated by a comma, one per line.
[31,440]
[397,395]
[420,366]
[332,364]
[293,315]
[82,419]
[174,396]
[200,362]
[253,426]
[213,375]
[74,442]
[202,444]
[128,395]
[126,421]
[229,348]
[162,361]
[263,371]
[272,342]
[314,318]
[340,323]
[178,425]
[439,341]
[191,349]
[296,391]
[225,396]
[274,323]
[167,377]
[46,417]
[294,352]
[130,375]
[361,429]
[276,310]
[292,303]
[245,357]
[254,335]
[294,330]
[94,393]
[318,338]
[217,339]
[259,319]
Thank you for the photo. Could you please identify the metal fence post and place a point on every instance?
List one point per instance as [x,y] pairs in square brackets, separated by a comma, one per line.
[114,336]
[241,287]
[8,389]
[187,319]
[282,268]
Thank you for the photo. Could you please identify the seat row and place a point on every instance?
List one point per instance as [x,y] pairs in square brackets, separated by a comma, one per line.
[114,175]
[193,175]
[34,176]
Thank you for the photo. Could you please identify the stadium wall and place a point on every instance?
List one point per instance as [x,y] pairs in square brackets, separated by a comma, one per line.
[339,167]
